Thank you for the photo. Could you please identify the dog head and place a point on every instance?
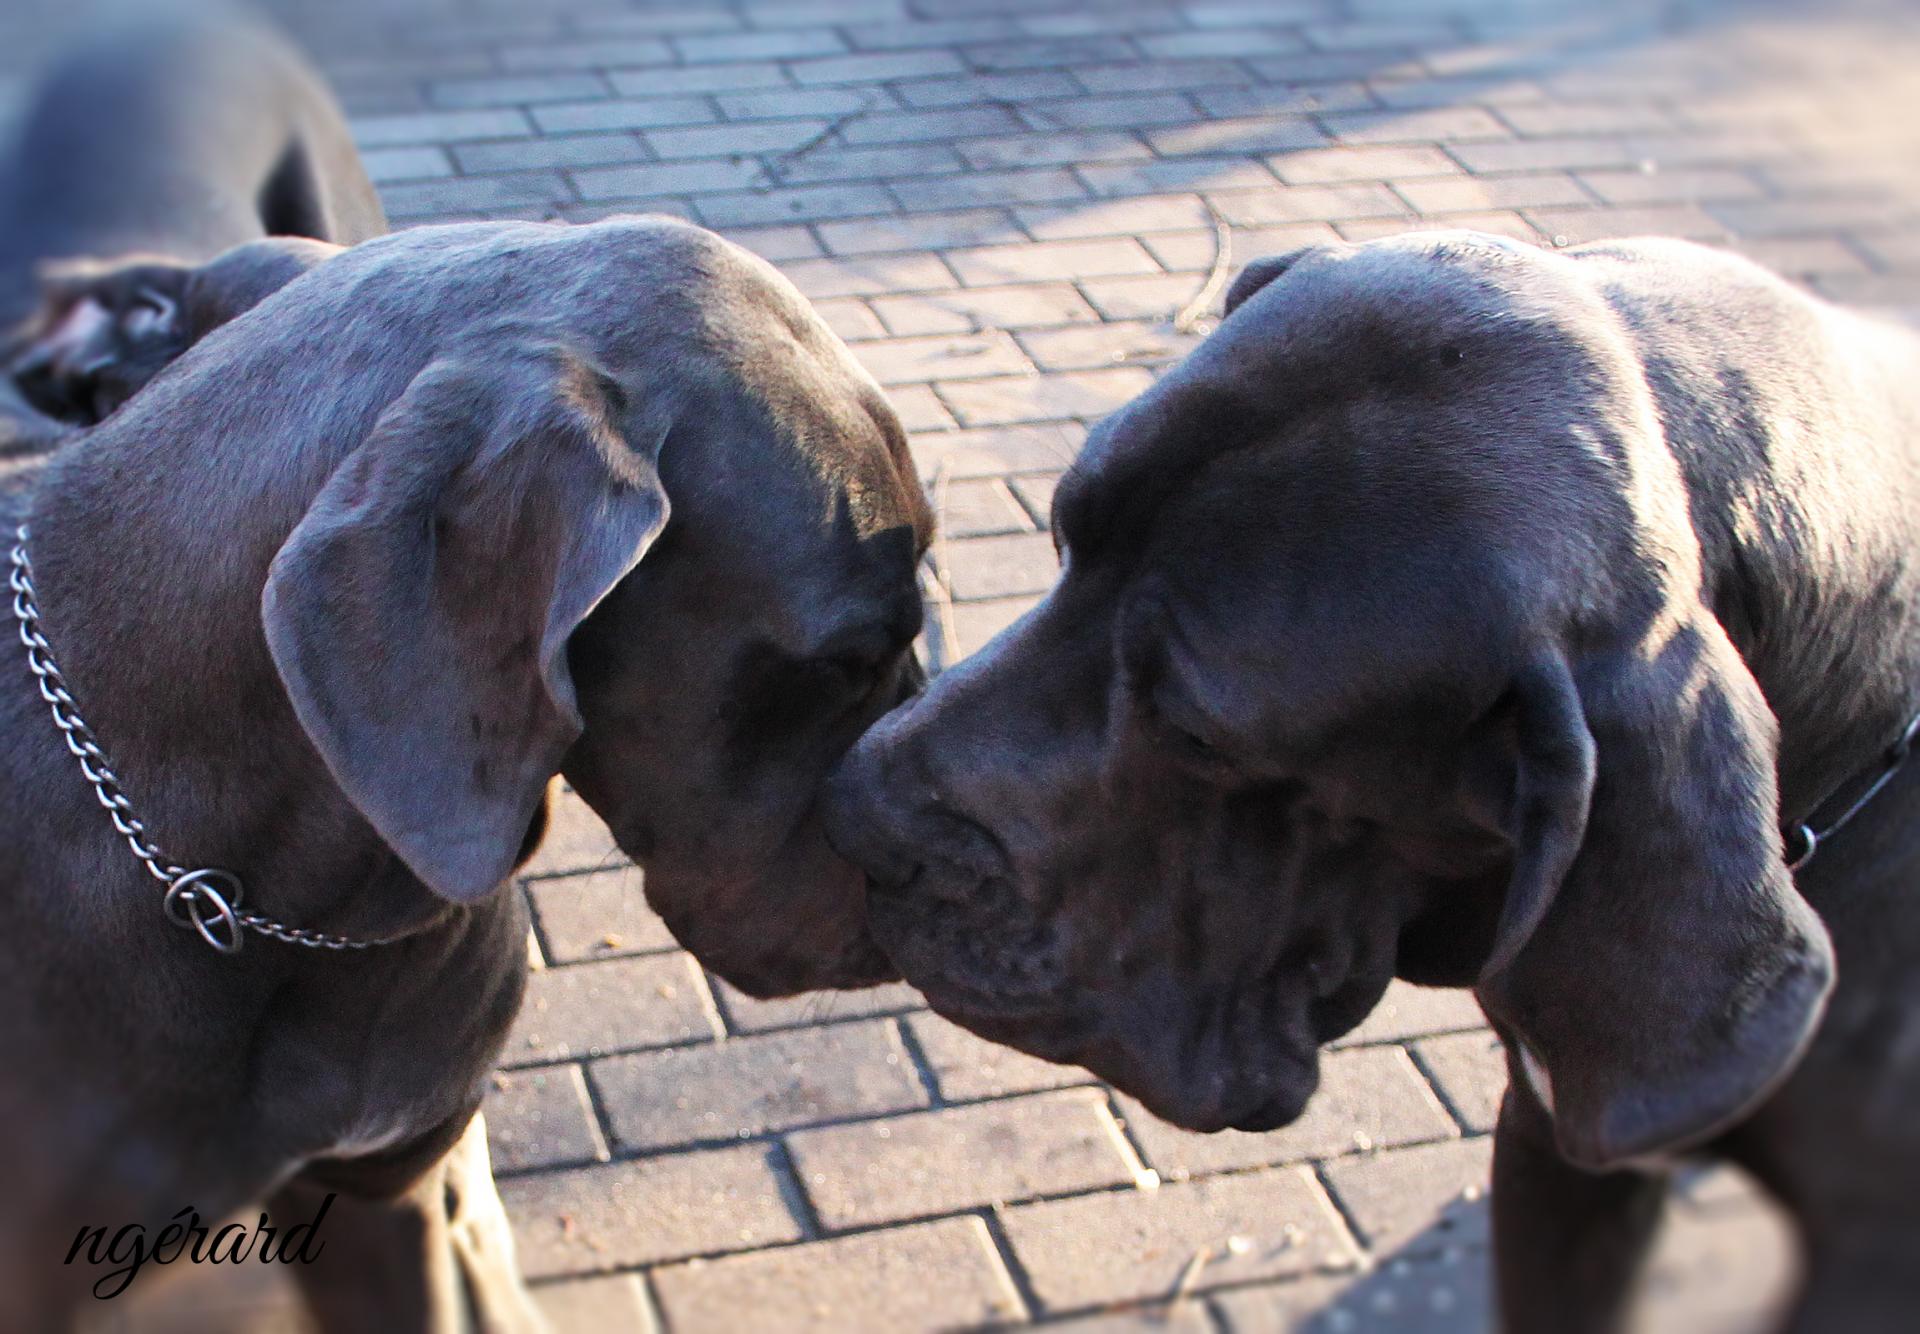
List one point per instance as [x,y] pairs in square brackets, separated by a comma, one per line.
[1378,647]
[105,328]
[620,508]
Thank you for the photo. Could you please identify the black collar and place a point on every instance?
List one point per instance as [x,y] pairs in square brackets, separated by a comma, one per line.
[1803,840]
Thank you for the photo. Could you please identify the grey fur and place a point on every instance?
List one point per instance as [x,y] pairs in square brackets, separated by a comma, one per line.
[1472,613]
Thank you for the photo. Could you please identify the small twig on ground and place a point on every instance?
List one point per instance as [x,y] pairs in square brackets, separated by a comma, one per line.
[774,169]
[1191,314]
[939,589]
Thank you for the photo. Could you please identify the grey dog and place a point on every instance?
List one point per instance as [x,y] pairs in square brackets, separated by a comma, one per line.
[339,593]
[1480,615]
[143,156]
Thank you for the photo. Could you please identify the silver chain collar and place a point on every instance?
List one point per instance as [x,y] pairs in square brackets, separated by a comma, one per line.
[204,900]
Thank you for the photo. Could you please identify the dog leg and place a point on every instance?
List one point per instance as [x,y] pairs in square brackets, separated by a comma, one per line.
[1568,1244]
[436,1259]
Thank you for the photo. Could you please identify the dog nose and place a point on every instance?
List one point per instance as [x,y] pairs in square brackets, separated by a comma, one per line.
[858,825]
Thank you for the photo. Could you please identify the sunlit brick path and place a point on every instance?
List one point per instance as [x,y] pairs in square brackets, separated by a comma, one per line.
[1003,205]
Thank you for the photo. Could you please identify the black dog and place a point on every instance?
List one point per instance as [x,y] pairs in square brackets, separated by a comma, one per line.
[141,157]
[1477,614]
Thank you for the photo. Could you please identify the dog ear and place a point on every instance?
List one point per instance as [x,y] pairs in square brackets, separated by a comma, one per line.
[235,281]
[419,613]
[1259,273]
[1661,973]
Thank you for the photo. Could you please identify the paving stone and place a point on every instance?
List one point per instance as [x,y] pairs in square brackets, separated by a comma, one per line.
[1086,347]
[1159,76]
[778,244]
[1065,147]
[667,82]
[666,178]
[973,89]
[1416,1201]
[873,275]
[577,839]
[1407,1011]
[1230,42]
[961,1158]
[1037,305]
[385,165]
[746,1014]
[1137,1245]
[1330,166]
[899,127]
[807,201]
[919,408]
[1470,1072]
[616,1215]
[596,915]
[1149,297]
[1451,1295]
[1249,134]
[1040,186]
[472,193]
[1185,1317]
[514,91]
[431,127]
[753,1085]
[778,103]
[1300,98]
[759,45]
[976,623]
[942,357]
[1414,126]
[1118,179]
[856,164]
[1310,203]
[873,67]
[1367,1100]
[923,231]
[574,150]
[1467,194]
[1569,154]
[1721,1273]
[998,567]
[980,508]
[986,453]
[1550,118]
[1050,53]
[1084,394]
[1578,225]
[929,32]
[850,319]
[1680,186]
[1036,493]
[1493,90]
[1110,111]
[541,1118]
[1802,256]
[597,1305]
[985,266]
[1195,252]
[598,54]
[615,1005]
[644,113]
[734,138]
[942,1275]
[1504,222]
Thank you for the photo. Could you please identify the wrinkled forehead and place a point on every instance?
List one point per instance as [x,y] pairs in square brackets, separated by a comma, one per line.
[1425,326]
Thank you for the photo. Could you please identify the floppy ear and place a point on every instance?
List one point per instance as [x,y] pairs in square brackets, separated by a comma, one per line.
[1673,975]
[419,614]
[235,281]
[1258,274]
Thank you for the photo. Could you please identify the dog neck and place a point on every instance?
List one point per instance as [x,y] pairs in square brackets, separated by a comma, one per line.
[173,674]
[1807,543]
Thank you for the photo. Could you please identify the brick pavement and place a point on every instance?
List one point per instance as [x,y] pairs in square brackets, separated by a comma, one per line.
[1002,204]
